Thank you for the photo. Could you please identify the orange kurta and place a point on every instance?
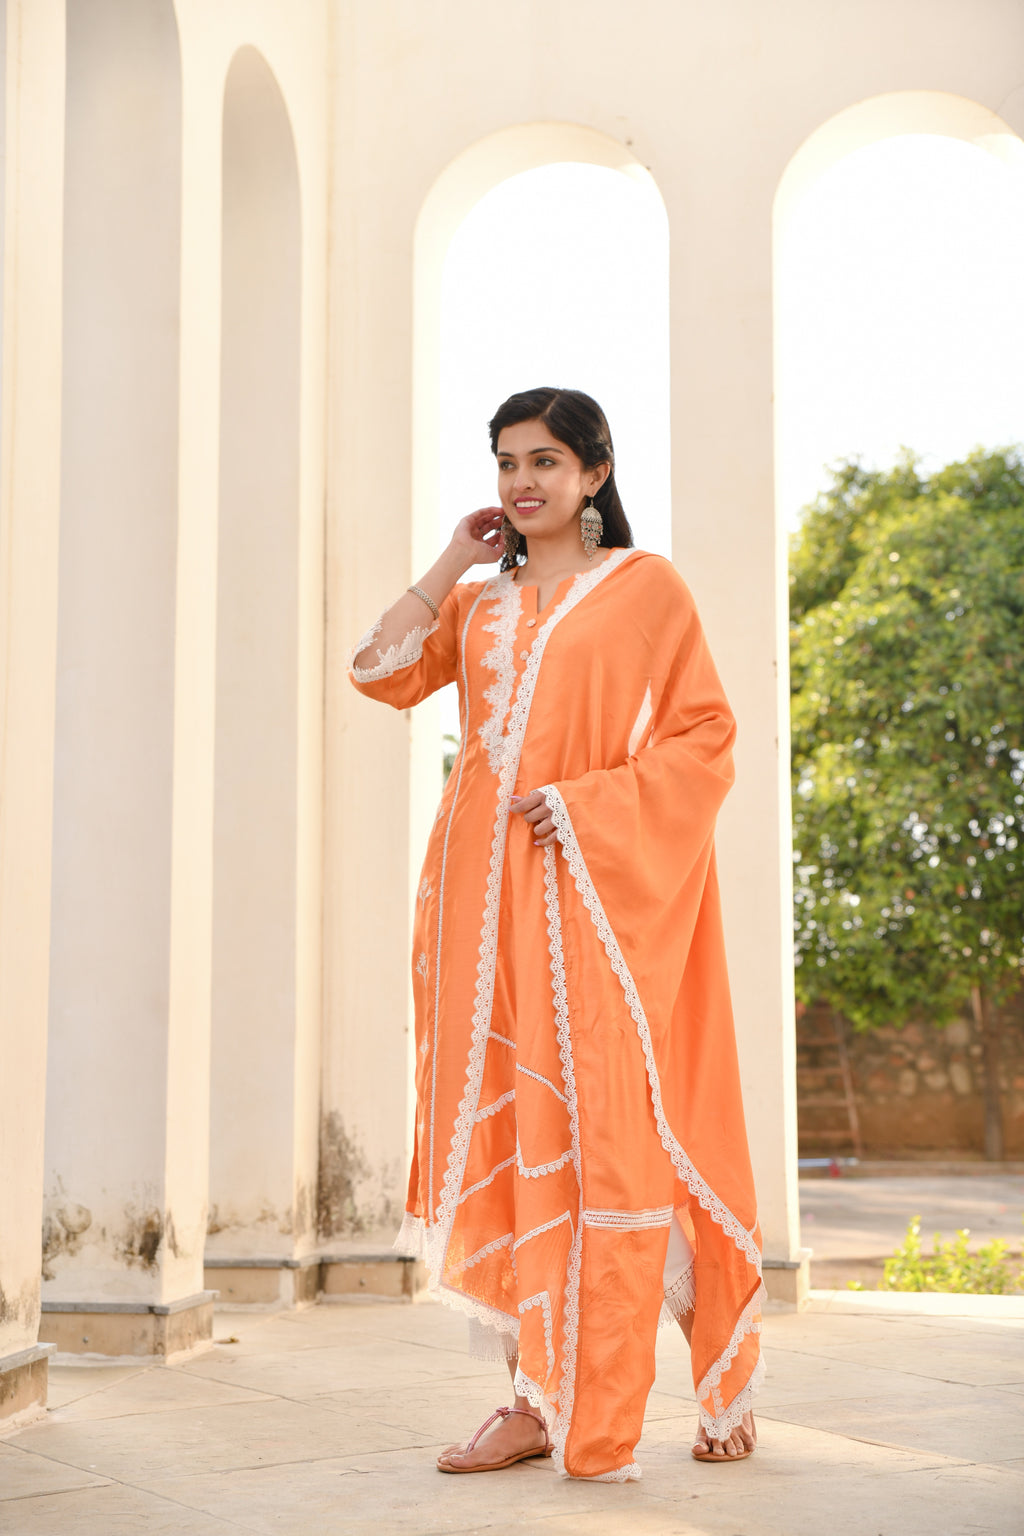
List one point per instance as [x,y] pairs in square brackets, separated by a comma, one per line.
[577,1083]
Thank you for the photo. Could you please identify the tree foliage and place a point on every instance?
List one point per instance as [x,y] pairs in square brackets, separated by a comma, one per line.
[907,656]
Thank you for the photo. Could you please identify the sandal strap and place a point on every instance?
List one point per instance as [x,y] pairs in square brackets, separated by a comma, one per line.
[529,1414]
[499,1413]
[504,1413]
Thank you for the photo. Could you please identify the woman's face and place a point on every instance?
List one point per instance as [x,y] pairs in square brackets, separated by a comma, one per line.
[541,481]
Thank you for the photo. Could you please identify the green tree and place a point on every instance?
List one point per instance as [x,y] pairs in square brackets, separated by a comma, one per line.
[907,656]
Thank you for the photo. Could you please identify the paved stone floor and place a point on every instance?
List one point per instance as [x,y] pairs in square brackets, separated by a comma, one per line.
[879,1417]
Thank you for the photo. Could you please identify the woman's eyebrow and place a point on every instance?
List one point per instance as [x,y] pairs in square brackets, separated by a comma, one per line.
[502,455]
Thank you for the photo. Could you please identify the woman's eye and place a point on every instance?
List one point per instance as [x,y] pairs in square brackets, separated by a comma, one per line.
[545,461]
[504,464]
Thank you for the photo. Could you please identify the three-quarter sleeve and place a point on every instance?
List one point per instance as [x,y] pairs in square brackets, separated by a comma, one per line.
[423,661]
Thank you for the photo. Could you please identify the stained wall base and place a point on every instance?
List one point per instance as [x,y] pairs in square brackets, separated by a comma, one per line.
[126,1330]
[23,1382]
[263,1283]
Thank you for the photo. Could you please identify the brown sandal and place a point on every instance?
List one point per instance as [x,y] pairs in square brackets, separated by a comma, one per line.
[444,1465]
[709,1454]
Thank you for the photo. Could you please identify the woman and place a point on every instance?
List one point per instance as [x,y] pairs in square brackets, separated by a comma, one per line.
[580,1166]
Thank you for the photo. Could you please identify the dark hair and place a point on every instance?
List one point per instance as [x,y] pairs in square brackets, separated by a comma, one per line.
[579,422]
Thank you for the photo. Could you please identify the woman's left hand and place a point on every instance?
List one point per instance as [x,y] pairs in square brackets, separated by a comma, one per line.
[534,809]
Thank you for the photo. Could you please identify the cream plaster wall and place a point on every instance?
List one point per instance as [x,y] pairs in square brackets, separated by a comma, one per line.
[115,653]
[257,1202]
[715,102]
[29,505]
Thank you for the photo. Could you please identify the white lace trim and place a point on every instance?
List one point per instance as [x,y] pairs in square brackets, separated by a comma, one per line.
[542,1168]
[631,1473]
[542,1300]
[506,610]
[478,1312]
[525,1386]
[718,1426]
[628,1221]
[546,1226]
[492,1109]
[511,750]
[411,1239]
[464,708]
[571,1310]
[396,657]
[485,1252]
[483,1183]
[680,1296]
[727,1419]
[493,1344]
[539,1077]
[502,1040]
[415,1241]
[724,1425]
[716,1208]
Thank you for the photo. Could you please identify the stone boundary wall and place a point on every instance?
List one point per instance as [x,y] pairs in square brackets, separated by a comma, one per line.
[917,1088]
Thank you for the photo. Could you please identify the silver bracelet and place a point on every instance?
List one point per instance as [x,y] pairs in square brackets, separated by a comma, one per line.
[426,598]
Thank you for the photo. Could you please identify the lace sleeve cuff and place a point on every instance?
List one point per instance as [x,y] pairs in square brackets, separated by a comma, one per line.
[394,658]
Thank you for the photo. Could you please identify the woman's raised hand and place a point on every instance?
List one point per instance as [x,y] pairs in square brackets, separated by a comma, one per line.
[478,537]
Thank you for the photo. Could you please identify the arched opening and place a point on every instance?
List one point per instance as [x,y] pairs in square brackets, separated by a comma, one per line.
[541,257]
[109,1063]
[486,182]
[558,274]
[898,229]
[899,234]
[262,1150]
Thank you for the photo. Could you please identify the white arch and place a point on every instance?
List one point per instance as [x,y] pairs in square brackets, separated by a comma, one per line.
[462,183]
[872,121]
[886,117]
[264,1085]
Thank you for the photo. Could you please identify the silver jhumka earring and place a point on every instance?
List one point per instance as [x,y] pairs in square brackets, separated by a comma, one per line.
[591,529]
[510,537]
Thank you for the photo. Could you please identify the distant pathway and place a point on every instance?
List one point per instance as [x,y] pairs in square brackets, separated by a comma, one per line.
[853,1218]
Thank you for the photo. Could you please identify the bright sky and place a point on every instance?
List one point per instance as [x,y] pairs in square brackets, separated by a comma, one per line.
[901,312]
[900,308]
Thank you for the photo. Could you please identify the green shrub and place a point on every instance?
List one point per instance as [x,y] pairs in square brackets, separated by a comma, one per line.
[992,1271]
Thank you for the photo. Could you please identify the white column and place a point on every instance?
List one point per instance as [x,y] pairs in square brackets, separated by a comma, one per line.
[128,1077]
[265,1057]
[726,543]
[33,72]
[367,1084]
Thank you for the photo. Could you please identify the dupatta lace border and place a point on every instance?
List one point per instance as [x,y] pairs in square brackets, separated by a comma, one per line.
[720,1424]
[511,745]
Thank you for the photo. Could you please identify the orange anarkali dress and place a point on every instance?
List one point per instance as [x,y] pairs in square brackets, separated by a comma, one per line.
[580,1168]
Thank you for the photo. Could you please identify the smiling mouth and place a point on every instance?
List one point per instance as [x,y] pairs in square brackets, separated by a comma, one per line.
[528,506]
